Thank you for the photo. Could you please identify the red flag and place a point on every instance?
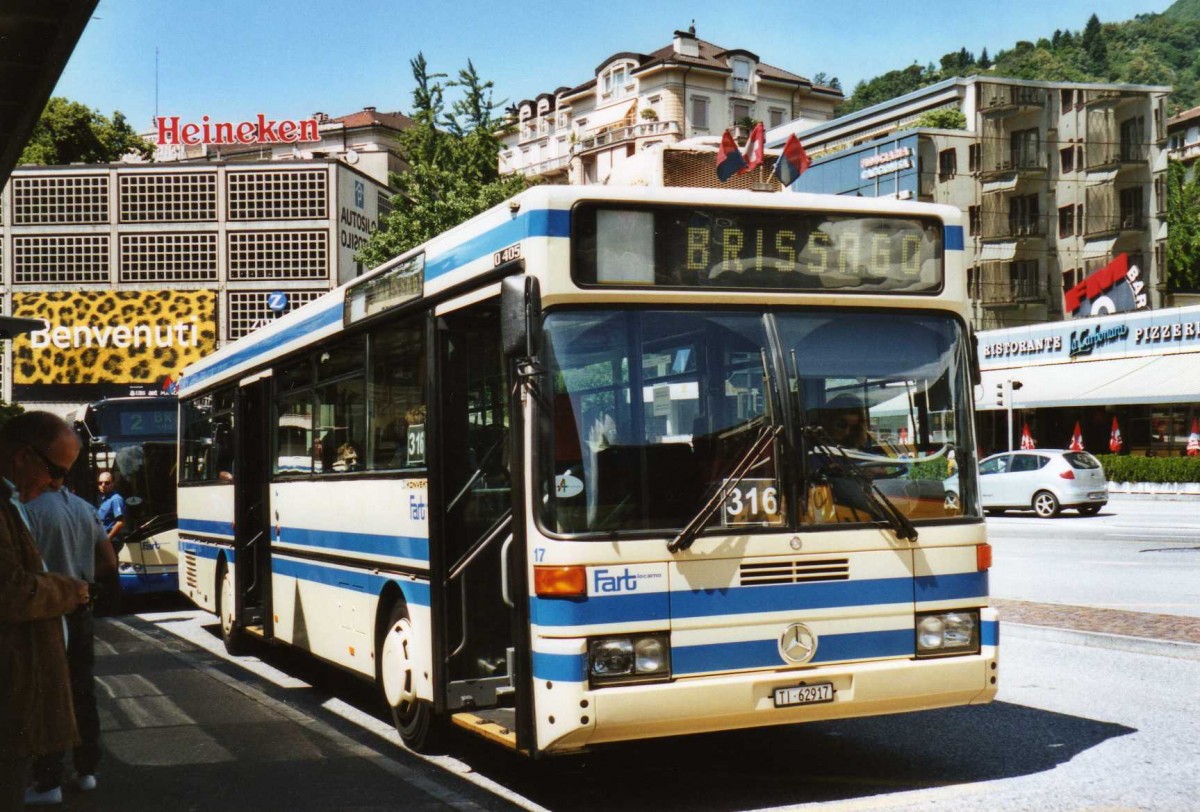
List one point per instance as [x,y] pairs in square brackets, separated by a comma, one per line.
[1076,439]
[1193,446]
[1027,442]
[756,147]
[793,162]
[729,161]
[1115,442]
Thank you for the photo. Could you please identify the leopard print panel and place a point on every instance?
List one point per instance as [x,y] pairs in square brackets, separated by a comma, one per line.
[113,337]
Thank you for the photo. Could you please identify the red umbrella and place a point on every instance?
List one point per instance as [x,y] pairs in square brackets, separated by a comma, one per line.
[1193,446]
[1115,442]
[1027,442]
[1076,439]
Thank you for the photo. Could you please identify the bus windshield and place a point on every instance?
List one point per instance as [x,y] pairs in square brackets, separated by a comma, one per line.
[871,401]
[135,440]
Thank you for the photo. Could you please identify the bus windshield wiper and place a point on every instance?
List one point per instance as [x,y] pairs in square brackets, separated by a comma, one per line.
[766,437]
[748,460]
[841,464]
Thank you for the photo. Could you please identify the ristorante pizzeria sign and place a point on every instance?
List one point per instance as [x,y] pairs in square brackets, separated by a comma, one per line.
[1133,333]
[262,130]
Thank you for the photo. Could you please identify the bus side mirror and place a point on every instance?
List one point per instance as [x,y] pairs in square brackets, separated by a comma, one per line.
[521,316]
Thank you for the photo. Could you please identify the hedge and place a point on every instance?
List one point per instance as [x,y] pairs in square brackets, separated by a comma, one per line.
[1119,468]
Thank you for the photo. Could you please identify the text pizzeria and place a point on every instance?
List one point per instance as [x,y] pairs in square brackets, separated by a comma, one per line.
[260,131]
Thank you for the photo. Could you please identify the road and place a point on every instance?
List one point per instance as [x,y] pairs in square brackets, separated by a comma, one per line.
[1138,554]
[1075,727]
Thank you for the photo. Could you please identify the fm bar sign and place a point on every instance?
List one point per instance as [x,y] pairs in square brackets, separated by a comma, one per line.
[1115,288]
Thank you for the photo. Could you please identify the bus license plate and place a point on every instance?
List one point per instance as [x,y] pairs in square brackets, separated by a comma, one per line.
[804,694]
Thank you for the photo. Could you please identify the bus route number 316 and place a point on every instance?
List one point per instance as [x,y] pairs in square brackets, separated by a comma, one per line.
[751,502]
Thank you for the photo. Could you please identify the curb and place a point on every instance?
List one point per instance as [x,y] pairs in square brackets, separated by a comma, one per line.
[1120,642]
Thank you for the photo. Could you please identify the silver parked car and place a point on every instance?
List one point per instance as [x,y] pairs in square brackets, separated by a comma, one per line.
[1043,480]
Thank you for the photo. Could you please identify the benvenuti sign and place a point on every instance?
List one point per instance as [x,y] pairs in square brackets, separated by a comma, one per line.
[110,343]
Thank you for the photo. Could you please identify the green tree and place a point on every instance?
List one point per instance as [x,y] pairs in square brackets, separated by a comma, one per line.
[985,61]
[944,119]
[452,158]
[1095,46]
[1183,229]
[69,132]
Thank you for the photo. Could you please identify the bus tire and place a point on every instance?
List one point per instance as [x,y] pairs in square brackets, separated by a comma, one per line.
[414,718]
[236,641]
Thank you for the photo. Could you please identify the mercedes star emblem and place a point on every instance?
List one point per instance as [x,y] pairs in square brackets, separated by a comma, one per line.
[797,644]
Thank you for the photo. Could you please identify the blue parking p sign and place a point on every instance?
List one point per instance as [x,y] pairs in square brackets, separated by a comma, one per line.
[277,301]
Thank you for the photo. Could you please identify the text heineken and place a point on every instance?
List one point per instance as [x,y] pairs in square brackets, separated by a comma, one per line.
[260,131]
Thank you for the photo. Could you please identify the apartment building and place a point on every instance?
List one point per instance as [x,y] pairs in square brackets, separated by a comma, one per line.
[1183,136]
[140,269]
[1060,185]
[689,88]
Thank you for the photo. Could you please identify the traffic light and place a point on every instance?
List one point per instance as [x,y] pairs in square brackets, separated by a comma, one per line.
[1000,395]
[1016,385]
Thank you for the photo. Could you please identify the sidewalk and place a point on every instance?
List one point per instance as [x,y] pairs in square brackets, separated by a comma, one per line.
[1171,635]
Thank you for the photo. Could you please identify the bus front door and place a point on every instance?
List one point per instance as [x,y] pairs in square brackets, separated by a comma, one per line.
[251,479]
[472,535]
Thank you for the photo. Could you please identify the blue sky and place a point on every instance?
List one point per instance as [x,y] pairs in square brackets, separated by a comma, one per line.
[232,59]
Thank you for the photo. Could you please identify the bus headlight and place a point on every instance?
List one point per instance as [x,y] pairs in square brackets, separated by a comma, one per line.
[634,658]
[941,634]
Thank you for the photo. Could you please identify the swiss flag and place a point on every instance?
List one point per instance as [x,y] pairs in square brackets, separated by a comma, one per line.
[1076,439]
[1027,441]
[756,147]
[1115,442]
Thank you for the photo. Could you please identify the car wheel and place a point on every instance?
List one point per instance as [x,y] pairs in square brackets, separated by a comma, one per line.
[1089,510]
[1045,504]
[952,501]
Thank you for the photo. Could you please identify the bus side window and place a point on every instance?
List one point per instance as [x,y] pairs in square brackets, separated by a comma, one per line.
[396,397]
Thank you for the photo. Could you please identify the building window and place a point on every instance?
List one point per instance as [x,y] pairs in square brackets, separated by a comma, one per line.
[1160,191]
[947,163]
[57,259]
[1132,208]
[1023,276]
[776,117]
[169,257]
[972,279]
[974,220]
[1066,221]
[742,70]
[278,195]
[1133,139]
[1066,98]
[741,111]
[1023,215]
[1160,259]
[700,112]
[615,82]
[248,310]
[60,200]
[167,197]
[1026,150]
[1079,219]
[278,255]
[974,157]
[1066,159]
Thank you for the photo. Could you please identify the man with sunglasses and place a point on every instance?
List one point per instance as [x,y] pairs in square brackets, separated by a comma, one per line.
[36,716]
[112,509]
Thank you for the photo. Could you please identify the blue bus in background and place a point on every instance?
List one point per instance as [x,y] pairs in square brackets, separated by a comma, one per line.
[135,439]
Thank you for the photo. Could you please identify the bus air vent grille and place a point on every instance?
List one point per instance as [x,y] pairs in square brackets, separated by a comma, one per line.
[799,571]
[189,570]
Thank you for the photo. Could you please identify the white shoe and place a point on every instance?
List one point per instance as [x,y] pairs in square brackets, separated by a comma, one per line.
[87,783]
[47,798]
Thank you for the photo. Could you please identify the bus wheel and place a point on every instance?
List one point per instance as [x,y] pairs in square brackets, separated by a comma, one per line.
[398,664]
[236,641]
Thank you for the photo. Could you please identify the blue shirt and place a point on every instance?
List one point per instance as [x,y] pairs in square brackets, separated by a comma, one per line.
[112,510]
[67,532]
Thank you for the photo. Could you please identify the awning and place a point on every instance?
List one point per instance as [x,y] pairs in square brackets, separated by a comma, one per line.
[607,116]
[1118,381]
[1003,185]
[1098,248]
[997,252]
[1101,176]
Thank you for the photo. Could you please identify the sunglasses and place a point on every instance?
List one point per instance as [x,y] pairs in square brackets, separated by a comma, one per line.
[55,470]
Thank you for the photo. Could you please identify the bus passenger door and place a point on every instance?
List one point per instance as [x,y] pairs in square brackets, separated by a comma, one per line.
[251,480]
[471,531]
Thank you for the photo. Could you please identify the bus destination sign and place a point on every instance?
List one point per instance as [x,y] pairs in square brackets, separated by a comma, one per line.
[686,247]
[395,286]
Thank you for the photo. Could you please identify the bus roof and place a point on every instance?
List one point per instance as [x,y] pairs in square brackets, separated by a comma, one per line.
[467,251]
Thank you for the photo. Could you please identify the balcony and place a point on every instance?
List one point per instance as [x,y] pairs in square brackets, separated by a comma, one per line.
[1133,221]
[545,169]
[997,289]
[999,100]
[612,136]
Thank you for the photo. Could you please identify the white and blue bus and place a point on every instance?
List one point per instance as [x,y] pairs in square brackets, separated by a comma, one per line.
[607,464]
[134,440]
